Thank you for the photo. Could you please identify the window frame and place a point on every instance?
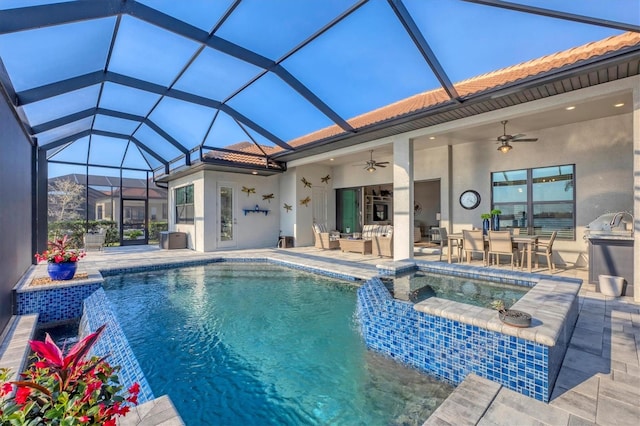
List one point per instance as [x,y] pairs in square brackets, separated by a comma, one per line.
[181,206]
[530,204]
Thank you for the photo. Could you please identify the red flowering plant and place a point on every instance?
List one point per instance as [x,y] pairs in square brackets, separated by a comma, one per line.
[59,252]
[65,390]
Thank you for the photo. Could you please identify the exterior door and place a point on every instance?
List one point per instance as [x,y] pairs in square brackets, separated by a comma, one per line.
[348,210]
[227,220]
[320,205]
[133,230]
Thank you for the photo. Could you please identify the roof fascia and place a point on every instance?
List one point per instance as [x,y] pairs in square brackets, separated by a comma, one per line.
[559,15]
[581,68]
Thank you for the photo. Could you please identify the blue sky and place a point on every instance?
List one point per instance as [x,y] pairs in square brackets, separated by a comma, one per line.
[365,62]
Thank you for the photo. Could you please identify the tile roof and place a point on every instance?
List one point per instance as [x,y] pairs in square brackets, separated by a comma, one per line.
[465,88]
[245,147]
[479,84]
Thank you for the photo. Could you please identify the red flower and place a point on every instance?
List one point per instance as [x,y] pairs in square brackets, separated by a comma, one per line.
[110,422]
[133,399]
[6,389]
[135,388]
[58,258]
[84,419]
[22,394]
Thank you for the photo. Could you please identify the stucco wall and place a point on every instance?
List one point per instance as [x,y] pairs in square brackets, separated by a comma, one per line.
[15,205]
[601,150]
[305,215]
[253,230]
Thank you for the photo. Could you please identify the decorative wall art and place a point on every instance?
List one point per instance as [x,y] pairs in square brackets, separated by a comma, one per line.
[307,184]
[267,197]
[325,179]
[249,191]
[305,201]
[287,207]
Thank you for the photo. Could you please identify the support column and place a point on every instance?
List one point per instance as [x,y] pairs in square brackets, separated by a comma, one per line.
[40,200]
[636,194]
[403,201]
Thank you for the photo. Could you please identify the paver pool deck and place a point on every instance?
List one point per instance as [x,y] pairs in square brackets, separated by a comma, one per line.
[599,382]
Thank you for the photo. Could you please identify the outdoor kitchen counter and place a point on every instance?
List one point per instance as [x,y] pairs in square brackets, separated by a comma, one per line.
[611,254]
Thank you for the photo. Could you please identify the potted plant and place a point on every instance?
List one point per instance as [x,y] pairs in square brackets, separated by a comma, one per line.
[62,261]
[495,218]
[65,390]
[511,316]
[486,217]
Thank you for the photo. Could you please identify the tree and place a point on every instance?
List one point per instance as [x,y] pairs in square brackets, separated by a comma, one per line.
[65,200]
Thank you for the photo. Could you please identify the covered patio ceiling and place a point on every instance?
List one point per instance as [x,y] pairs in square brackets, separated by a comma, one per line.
[155,84]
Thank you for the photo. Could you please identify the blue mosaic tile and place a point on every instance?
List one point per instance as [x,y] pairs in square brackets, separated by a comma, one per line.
[450,350]
[113,343]
[56,304]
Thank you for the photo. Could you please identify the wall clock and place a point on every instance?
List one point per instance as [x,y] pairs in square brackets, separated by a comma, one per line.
[470,199]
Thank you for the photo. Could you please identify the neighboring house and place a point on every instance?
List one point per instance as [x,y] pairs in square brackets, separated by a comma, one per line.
[105,193]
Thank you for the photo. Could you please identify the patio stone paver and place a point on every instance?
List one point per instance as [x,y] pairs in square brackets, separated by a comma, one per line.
[598,384]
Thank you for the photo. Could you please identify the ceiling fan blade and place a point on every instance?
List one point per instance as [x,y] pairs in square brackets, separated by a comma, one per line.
[525,140]
[519,135]
[380,165]
[382,162]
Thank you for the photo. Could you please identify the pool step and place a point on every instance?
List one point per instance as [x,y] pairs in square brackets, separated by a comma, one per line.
[159,411]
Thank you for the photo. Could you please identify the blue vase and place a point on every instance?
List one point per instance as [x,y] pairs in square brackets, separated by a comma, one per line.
[495,219]
[62,271]
[485,226]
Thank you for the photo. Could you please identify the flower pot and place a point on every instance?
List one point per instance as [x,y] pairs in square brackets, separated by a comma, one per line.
[515,318]
[495,222]
[611,285]
[485,226]
[62,271]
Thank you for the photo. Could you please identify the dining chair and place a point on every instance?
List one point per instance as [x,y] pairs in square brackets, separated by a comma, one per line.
[500,244]
[473,242]
[545,248]
[444,241]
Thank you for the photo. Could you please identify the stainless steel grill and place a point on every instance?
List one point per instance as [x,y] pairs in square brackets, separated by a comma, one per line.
[618,224]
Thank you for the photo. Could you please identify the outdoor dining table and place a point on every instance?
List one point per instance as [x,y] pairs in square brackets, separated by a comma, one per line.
[528,240]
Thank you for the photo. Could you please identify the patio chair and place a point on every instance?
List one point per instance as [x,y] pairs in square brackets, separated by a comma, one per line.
[444,242]
[500,244]
[325,239]
[93,241]
[545,248]
[473,242]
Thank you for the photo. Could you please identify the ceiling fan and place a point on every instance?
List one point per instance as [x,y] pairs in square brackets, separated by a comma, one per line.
[504,139]
[371,165]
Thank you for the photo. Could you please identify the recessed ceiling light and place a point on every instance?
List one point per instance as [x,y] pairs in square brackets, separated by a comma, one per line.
[432,137]
[254,172]
[331,159]
[618,105]
[569,108]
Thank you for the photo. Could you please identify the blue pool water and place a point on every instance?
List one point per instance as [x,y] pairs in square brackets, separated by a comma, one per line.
[243,344]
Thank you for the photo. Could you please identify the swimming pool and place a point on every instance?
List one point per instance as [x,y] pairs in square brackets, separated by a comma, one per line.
[261,344]
[419,286]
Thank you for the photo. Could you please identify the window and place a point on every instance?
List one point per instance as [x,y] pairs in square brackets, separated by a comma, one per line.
[538,201]
[184,204]
[99,212]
